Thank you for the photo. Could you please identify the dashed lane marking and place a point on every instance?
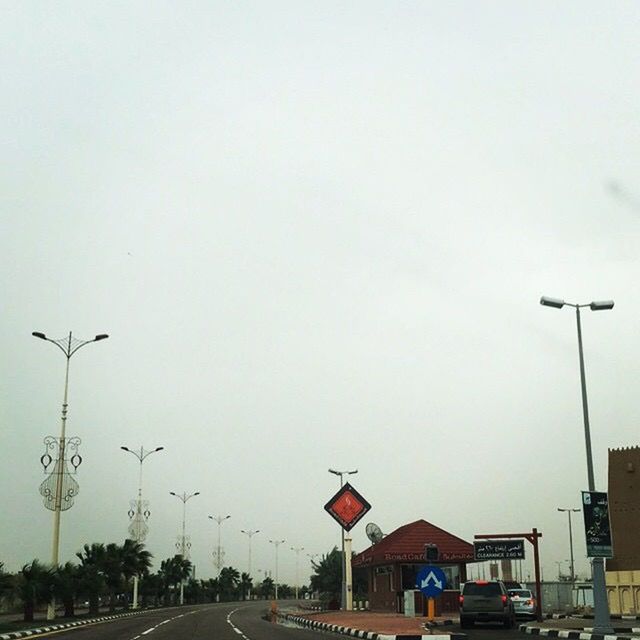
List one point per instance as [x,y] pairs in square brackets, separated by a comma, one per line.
[182,615]
[233,626]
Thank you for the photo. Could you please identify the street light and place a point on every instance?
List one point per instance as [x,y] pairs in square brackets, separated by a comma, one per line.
[219,554]
[277,543]
[59,488]
[139,512]
[183,544]
[602,620]
[250,533]
[569,512]
[343,594]
[297,552]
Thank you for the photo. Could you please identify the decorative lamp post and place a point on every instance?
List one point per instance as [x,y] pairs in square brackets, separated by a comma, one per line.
[59,488]
[184,543]
[139,512]
[218,554]
[343,565]
[297,552]
[250,533]
[276,544]
[602,620]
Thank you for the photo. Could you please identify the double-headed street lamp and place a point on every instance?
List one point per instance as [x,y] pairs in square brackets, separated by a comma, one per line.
[343,564]
[183,543]
[218,556]
[602,620]
[139,512]
[60,488]
[250,533]
[276,544]
[569,512]
[297,552]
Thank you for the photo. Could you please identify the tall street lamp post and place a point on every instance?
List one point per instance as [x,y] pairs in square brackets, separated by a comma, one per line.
[219,554]
[297,552]
[276,544]
[602,620]
[59,488]
[250,533]
[139,512]
[569,512]
[184,544]
[312,557]
[343,565]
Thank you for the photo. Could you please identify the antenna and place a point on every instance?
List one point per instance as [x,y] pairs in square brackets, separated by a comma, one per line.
[374,532]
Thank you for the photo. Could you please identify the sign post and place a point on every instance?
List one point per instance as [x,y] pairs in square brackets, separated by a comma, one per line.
[532,537]
[431,581]
[347,507]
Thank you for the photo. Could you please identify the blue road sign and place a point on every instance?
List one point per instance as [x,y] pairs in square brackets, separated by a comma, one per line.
[431,581]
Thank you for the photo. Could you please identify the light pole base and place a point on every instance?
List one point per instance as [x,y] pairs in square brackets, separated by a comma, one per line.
[51,610]
[601,617]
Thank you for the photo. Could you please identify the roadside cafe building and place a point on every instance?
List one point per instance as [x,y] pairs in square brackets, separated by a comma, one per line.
[391,566]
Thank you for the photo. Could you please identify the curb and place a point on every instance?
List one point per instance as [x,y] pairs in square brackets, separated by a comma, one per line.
[571,634]
[12,635]
[366,635]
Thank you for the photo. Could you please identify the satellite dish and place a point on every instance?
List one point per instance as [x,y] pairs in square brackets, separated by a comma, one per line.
[374,533]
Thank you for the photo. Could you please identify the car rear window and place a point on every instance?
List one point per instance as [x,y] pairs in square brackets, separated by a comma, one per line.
[479,589]
[521,593]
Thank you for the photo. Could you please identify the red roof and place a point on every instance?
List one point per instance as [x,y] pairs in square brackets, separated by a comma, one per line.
[406,544]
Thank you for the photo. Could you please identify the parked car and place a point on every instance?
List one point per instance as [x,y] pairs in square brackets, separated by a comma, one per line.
[486,601]
[524,604]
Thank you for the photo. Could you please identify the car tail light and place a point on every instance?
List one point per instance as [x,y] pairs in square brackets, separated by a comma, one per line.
[531,602]
[461,600]
[504,600]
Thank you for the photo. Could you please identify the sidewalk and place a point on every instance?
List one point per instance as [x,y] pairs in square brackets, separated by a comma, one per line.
[581,627]
[382,623]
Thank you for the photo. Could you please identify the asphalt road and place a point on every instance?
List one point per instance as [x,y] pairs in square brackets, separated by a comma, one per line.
[490,631]
[224,621]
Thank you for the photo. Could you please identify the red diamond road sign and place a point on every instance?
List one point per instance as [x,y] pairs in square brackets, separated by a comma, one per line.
[347,507]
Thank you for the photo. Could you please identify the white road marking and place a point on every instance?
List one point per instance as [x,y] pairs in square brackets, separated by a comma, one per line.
[182,615]
[233,626]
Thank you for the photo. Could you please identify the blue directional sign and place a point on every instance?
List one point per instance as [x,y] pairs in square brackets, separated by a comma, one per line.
[431,581]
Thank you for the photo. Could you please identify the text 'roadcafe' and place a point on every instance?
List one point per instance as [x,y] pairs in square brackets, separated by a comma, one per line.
[391,566]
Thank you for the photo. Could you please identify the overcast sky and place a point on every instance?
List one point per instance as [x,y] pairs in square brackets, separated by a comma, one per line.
[317,234]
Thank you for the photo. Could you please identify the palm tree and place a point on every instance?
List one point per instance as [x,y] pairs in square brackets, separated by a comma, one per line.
[91,578]
[267,588]
[212,589]
[33,585]
[151,585]
[5,581]
[245,584]
[327,577]
[65,586]
[229,579]
[135,559]
[174,571]
[112,570]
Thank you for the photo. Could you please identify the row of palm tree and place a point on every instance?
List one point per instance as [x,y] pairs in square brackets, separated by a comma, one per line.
[105,571]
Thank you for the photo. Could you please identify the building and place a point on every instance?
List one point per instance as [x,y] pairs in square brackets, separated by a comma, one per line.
[623,570]
[391,566]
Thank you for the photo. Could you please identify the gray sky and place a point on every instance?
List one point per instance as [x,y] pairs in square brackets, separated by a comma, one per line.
[317,235]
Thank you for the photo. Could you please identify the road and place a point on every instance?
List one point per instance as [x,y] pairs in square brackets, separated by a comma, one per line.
[488,631]
[224,621]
